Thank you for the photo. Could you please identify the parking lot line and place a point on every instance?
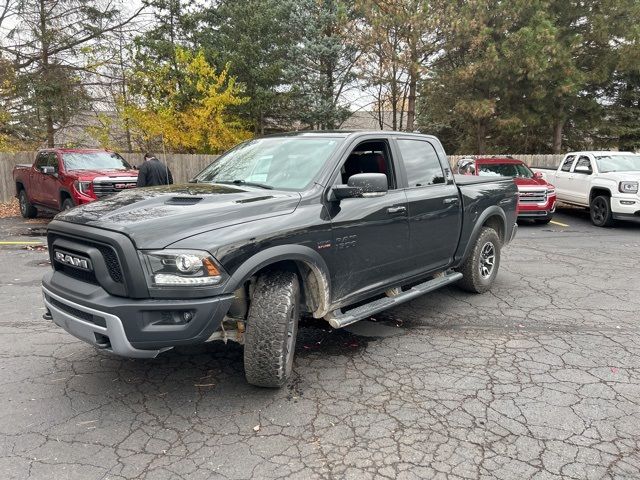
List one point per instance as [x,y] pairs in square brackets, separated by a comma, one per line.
[558,223]
[21,243]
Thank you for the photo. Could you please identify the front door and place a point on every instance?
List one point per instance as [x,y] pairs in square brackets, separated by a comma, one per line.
[370,235]
[564,180]
[434,206]
[37,179]
[581,182]
[50,186]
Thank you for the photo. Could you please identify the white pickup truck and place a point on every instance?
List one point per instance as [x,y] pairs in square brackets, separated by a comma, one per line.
[605,182]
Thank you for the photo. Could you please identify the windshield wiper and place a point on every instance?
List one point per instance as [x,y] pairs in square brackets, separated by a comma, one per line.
[244,182]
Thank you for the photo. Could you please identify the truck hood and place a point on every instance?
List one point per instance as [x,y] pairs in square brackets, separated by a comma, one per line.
[530,182]
[89,175]
[159,216]
[621,176]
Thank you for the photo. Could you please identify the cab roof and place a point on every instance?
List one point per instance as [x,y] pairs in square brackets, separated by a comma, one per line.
[499,160]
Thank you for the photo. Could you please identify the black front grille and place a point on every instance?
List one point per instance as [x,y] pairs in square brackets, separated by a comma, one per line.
[108,254]
[82,275]
[111,260]
[87,317]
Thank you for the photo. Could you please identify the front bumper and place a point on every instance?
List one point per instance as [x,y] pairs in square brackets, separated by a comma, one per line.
[537,210]
[129,327]
[626,207]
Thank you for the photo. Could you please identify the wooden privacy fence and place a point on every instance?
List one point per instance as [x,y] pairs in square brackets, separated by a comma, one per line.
[185,166]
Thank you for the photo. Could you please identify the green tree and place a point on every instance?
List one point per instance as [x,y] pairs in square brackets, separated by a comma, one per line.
[323,63]
[255,38]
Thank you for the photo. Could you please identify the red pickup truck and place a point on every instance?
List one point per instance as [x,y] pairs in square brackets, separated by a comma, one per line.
[537,197]
[61,178]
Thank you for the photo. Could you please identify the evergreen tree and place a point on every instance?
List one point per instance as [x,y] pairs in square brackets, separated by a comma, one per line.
[323,62]
[255,39]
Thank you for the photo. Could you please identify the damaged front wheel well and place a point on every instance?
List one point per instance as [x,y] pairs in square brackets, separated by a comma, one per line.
[314,298]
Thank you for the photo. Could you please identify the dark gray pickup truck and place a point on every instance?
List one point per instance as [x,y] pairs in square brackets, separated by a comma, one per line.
[334,225]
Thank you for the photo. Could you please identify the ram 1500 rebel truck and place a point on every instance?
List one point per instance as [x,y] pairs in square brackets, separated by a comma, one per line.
[604,182]
[334,225]
[62,178]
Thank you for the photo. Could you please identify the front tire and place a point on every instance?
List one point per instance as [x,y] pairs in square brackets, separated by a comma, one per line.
[26,209]
[272,327]
[600,211]
[480,269]
[67,204]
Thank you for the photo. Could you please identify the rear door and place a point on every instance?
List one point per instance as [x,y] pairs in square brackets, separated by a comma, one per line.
[564,179]
[434,205]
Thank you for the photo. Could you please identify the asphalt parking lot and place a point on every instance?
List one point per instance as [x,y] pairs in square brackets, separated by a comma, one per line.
[538,379]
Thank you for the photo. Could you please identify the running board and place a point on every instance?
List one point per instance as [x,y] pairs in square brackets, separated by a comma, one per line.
[339,319]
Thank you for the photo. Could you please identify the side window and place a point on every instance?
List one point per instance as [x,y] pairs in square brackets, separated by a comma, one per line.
[369,157]
[421,163]
[566,165]
[583,162]
[53,160]
[41,160]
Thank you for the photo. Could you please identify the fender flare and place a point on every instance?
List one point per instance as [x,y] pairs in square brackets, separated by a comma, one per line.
[598,187]
[492,211]
[295,253]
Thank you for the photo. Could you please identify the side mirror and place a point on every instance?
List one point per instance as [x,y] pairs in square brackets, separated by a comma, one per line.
[48,170]
[583,169]
[538,175]
[362,185]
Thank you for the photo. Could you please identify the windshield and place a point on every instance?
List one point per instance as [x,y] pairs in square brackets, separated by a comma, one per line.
[504,170]
[618,163]
[288,163]
[95,161]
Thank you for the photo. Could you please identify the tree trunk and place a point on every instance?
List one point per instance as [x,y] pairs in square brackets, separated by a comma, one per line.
[413,84]
[558,128]
[46,74]
[481,133]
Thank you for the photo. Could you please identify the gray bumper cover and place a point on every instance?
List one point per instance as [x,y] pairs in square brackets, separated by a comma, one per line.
[111,338]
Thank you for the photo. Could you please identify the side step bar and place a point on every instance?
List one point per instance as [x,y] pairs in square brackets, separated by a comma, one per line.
[339,319]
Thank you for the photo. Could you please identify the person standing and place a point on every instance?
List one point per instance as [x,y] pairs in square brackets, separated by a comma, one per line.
[153,172]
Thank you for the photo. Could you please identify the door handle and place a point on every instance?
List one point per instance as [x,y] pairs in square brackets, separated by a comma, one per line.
[397,209]
[447,201]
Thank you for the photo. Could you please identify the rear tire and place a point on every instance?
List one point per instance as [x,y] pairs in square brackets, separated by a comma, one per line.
[26,209]
[67,204]
[480,268]
[272,327]
[600,211]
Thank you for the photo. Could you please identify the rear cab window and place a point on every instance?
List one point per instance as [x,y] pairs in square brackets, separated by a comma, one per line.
[421,163]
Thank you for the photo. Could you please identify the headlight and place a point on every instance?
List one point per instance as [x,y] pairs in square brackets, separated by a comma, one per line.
[628,187]
[181,268]
[82,187]
[551,191]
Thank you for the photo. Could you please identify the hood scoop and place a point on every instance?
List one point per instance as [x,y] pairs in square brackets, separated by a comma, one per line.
[183,200]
